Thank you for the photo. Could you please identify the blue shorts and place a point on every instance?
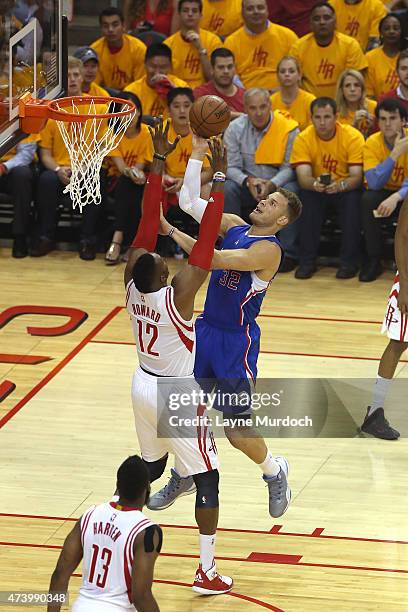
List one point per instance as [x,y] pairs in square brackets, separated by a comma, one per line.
[227,362]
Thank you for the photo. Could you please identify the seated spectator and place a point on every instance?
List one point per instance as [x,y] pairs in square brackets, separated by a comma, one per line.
[385,168]
[192,45]
[158,80]
[259,147]
[16,179]
[222,82]
[180,100]
[382,61]
[328,158]
[294,14]
[360,19]
[120,55]
[353,106]
[223,17]
[158,15]
[290,98]
[325,53]
[258,46]
[90,61]
[127,166]
[56,176]
[401,91]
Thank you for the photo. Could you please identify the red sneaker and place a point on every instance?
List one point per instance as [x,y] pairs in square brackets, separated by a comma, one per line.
[211,583]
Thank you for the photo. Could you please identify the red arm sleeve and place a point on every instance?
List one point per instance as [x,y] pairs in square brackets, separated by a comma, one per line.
[203,250]
[146,236]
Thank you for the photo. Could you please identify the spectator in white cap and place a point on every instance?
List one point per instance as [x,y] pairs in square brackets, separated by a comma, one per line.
[90,60]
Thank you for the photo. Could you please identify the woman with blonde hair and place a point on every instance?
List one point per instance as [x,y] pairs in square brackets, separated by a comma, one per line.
[290,98]
[354,108]
[158,15]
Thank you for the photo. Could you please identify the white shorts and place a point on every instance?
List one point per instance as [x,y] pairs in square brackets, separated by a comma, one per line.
[183,431]
[395,323]
[86,604]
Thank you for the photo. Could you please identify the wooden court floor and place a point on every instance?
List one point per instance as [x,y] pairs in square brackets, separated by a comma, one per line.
[68,423]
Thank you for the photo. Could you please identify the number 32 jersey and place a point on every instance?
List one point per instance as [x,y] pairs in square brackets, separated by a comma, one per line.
[165,341]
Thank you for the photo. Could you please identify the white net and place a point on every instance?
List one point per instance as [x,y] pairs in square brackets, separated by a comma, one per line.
[88,142]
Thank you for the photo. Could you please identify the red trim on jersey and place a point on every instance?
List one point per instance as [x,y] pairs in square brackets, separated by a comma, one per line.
[189,328]
[248,369]
[128,555]
[128,292]
[201,446]
[85,523]
[123,508]
[246,299]
[188,343]
[404,323]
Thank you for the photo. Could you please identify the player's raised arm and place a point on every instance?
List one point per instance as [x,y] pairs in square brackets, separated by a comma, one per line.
[146,549]
[401,256]
[69,559]
[189,200]
[146,236]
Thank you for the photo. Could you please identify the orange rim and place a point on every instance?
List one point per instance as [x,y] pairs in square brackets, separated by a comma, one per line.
[55,108]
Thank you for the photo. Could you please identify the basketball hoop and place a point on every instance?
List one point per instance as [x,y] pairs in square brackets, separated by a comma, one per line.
[90,126]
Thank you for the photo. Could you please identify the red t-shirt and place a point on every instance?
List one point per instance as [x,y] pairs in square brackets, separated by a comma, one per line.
[161,20]
[235,102]
[393,94]
[294,14]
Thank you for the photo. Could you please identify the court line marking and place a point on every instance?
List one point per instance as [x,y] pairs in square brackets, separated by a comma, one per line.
[275,530]
[273,561]
[9,415]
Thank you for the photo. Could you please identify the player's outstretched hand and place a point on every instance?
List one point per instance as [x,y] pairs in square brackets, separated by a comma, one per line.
[160,137]
[218,158]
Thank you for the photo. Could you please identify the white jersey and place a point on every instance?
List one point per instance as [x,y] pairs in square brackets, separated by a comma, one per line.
[395,323]
[165,341]
[108,533]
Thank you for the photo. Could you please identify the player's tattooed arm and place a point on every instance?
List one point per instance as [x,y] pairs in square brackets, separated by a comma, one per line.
[146,549]
[401,256]
[263,256]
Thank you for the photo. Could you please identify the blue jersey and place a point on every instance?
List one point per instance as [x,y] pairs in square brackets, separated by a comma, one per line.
[234,298]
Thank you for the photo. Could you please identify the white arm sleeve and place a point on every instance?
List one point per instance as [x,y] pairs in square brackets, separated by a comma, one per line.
[189,198]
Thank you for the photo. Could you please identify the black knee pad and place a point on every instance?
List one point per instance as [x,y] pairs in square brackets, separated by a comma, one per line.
[156,468]
[207,489]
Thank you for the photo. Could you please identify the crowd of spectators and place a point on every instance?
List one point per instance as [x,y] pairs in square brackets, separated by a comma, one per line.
[319,98]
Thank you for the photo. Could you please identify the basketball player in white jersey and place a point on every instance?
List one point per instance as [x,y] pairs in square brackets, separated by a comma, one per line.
[118,545]
[162,320]
[396,325]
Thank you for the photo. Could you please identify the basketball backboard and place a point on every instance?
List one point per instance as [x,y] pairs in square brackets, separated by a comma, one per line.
[33,49]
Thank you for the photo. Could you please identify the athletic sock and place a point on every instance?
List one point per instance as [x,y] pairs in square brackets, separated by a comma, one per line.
[381,388]
[269,466]
[207,551]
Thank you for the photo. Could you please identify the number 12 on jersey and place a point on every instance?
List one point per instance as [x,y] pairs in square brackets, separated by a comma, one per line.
[147,335]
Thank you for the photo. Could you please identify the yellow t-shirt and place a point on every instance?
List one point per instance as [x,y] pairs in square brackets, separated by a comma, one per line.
[186,59]
[299,110]
[359,20]
[322,66]
[335,156]
[11,152]
[223,17]
[382,72]
[176,162]
[257,55]
[97,90]
[152,103]
[121,68]
[349,118]
[136,150]
[376,151]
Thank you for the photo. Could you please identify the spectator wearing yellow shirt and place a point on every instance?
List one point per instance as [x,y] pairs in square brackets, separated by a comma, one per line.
[17,180]
[360,20]
[325,53]
[382,61]
[223,17]
[328,158]
[120,55]
[258,46]
[90,61]
[155,85]
[353,106]
[290,98]
[385,169]
[56,176]
[192,45]
[128,164]
[400,92]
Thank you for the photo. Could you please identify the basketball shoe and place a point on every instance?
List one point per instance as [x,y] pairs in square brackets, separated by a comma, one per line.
[210,582]
[279,490]
[176,487]
[377,425]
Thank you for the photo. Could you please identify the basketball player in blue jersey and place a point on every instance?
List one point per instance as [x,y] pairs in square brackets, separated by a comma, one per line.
[228,337]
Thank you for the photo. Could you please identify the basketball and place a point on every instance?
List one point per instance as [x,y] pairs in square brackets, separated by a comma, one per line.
[209,116]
